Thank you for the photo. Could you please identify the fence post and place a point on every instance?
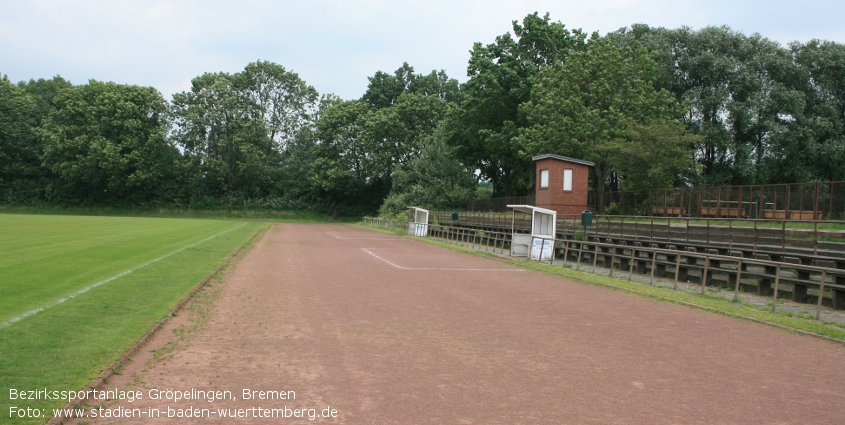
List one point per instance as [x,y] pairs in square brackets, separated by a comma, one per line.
[566,251]
[636,228]
[730,233]
[612,259]
[777,282]
[580,250]
[542,245]
[652,230]
[653,264]
[595,257]
[738,277]
[669,229]
[821,295]
[783,236]
[704,273]
[677,270]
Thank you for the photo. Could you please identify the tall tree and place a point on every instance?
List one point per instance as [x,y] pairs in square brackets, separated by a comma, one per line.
[19,153]
[279,99]
[347,173]
[361,143]
[43,92]
[384,89]
[755,103]
[823,119]
[234,129]
[106,142]
[432,179]
[595,98]
[22,111]
[501,76]
[651,155]
[360,147]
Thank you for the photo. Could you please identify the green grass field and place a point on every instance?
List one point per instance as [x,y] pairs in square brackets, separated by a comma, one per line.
[77,292]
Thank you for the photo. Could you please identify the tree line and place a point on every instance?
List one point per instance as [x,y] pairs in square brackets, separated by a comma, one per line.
[652,107]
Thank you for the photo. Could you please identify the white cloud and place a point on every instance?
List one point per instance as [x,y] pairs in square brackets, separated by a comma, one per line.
[333,45]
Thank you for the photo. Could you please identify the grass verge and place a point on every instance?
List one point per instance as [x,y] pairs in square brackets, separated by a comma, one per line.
[215,214]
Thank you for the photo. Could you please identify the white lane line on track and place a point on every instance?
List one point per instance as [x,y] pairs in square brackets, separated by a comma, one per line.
[104,281]
[367,250]
[378,239]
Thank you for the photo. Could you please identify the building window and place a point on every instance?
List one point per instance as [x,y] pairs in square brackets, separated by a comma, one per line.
[567,179]
[544,178]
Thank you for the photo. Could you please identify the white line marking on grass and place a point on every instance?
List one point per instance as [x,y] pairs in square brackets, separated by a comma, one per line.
[380,239]
[104,281]
[367,250]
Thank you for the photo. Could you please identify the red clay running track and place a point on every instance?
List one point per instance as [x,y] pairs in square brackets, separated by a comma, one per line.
[388,330]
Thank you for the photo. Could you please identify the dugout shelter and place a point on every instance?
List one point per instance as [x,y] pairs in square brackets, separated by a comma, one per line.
[538,243]
[417,221]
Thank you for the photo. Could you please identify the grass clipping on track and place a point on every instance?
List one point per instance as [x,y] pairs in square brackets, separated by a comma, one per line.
[59,328]
[717,305]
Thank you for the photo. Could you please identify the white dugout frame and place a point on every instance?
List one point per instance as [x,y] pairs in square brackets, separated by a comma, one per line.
[418,221]
[540,242]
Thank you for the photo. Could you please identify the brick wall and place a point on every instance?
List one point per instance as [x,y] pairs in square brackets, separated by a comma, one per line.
[553,197]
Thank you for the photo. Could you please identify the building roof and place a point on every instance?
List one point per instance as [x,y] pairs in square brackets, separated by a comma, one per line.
[563,158]
[530,209]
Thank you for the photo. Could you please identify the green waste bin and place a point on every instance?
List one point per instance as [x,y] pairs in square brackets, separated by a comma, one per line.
[454,216]
[587,218]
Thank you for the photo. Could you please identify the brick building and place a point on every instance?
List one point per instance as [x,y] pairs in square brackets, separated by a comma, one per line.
[562,183]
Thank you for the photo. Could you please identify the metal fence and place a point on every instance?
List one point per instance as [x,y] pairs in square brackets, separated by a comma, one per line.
[627,203]
[811,237]
[789,201]
[498,204]
[793,201]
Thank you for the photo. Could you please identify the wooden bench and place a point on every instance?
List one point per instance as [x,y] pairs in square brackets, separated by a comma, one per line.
[714,208]
[691,266]
[793,215]
[674,211]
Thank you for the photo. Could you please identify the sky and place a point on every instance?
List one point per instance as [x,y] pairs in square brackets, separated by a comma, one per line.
[335,45]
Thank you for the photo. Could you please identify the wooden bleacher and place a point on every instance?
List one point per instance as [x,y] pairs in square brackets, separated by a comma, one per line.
[725,208]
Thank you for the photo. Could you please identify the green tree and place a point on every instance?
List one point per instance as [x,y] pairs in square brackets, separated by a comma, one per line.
[279,99]
[106,143]
[485,128]
[23,108]
[361,143]
[597,97]
[347,173]
[43,92]
[234,129]
[384,89]
[19,154]
[763,111]
[818,142]
[439,85]
[652,155]
[433,179]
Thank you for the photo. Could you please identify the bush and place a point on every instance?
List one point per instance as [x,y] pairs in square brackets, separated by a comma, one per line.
[613,209]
